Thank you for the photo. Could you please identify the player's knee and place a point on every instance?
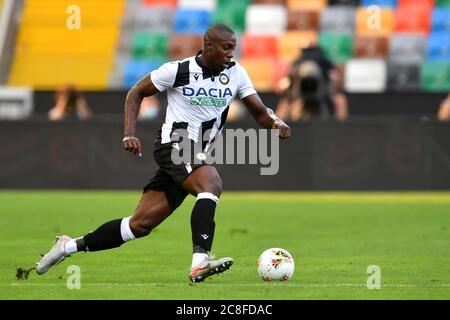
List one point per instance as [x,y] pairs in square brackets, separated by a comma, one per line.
[140,228]
[214,186]
[217,187]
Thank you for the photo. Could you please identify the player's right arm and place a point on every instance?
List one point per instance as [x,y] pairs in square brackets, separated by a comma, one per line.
[136,94]
[156,81]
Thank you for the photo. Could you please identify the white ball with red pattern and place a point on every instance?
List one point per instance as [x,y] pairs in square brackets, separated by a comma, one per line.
[276,264]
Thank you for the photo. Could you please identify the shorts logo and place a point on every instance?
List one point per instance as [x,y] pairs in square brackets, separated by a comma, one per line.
[223,78]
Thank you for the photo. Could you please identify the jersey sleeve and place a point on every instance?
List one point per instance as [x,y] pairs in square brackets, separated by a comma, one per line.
[164,76]
[245,84]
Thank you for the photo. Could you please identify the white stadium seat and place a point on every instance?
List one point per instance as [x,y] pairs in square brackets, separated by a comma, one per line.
[365,75]
[266,19]
[207,5]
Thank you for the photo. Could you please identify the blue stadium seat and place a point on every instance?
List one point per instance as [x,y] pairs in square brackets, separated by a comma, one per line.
[137,69]
[439,46]
[191,21]
[338,19]
[441,20]
[407,48]
[380,3]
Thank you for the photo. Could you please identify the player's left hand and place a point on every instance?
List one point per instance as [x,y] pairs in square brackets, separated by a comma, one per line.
[132,144]
[283,130]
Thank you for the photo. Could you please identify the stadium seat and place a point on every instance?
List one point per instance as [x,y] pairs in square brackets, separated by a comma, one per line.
[184,45]
[424,4]
[47,56]
[260,72]
[439,46]
[132,8]
[290,42]
[338,19]
[371,47]
[440,20]
[413,19]
[231,14]
[306,4]
[256,46]
[407,48]
[280,2]
[337,47]
[116,77]
[353,3]
[125,42]
[163,3]
[137,69]
[191,21]
[442,3]
[147,45]
[403,77]
[368,24]
[154,19]
[281,70]
[435,77]
[265,19]
[207,5]
[380,3]
[303,20]
[365,75]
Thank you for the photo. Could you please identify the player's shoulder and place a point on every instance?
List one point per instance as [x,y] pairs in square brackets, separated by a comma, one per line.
[172,66]
[236,69]
[234,66]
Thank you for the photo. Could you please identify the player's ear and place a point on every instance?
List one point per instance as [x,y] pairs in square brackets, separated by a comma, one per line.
[208,45]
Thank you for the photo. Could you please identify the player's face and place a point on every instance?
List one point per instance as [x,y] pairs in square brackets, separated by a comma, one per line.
[221,51]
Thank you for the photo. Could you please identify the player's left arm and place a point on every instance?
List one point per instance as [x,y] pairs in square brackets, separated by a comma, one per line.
[265,116]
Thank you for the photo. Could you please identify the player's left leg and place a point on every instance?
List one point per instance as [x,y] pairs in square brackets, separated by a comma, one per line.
[206,185]
[153,208]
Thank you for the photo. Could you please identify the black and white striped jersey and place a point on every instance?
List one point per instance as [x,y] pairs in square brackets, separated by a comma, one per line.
[197,100]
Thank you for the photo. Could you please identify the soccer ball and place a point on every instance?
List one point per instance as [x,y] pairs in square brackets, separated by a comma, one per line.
[276,264]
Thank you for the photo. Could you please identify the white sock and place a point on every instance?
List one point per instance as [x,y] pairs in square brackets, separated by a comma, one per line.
[125,230]
[70,247]
[198,258]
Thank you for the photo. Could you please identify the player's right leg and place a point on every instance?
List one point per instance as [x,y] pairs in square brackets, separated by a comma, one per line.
[153,208]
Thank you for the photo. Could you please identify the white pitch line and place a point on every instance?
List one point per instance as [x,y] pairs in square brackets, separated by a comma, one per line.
[318,285]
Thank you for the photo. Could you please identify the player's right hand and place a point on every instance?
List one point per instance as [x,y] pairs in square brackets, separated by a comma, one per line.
[132,144]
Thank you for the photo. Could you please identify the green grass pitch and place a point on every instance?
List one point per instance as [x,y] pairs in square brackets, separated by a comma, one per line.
[334,238]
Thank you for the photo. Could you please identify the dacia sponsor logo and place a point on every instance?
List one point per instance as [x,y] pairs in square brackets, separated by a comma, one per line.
[212,92]
[212,97]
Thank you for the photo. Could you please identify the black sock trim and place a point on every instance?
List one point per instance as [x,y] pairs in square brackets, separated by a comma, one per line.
[81,246]
[198,249]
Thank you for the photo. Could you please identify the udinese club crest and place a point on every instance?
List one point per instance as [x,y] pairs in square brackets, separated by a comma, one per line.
[223,78]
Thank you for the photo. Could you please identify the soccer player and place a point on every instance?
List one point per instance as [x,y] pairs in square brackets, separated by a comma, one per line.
[212,73]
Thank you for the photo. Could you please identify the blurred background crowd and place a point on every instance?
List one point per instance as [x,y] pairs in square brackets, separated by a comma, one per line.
[369,46]
[377,72]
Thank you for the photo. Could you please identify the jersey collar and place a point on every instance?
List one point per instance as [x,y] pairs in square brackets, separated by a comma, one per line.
[207,73]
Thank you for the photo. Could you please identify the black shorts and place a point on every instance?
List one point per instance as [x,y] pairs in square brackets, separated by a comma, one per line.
[169,176]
